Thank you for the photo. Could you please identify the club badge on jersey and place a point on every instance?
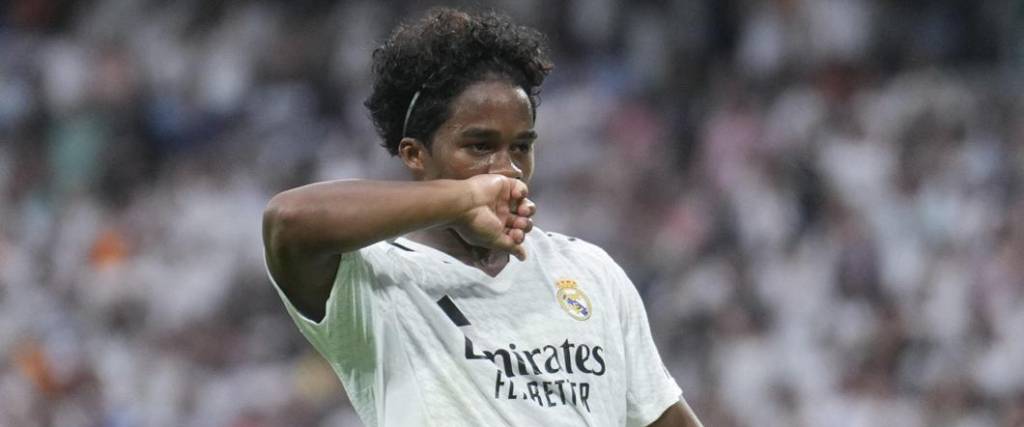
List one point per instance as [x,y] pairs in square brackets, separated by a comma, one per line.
[573,300]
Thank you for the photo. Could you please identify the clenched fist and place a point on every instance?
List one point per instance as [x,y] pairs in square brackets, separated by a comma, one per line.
[500,215]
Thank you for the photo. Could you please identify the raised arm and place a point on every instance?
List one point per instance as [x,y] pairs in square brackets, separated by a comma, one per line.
[306,229]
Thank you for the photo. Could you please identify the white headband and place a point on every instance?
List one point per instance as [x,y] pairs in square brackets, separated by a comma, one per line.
[408,112]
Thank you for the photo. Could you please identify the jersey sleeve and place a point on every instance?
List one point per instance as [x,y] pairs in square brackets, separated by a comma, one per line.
[345,335]
[650,388]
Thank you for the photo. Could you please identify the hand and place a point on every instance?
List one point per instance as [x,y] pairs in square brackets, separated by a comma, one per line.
[499,216]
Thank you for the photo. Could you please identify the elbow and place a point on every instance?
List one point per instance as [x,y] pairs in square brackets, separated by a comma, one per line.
[279,220]
[302,222]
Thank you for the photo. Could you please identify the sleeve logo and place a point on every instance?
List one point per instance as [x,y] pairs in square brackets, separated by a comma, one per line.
[573,300]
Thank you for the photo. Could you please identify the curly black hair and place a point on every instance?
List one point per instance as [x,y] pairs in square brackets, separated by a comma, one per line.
[439,56]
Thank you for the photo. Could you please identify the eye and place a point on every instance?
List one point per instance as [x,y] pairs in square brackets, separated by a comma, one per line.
[522,147]
[479,147]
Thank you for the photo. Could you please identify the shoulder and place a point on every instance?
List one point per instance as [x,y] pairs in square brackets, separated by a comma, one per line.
[552,244]
[383,258]
[384,251]
[594,263]
[550,240]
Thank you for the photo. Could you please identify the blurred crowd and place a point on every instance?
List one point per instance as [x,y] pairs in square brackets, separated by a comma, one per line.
[821,201]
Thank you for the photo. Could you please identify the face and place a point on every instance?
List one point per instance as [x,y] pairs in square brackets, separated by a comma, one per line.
[490,131]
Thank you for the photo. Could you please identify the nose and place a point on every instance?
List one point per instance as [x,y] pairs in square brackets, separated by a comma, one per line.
[502,164]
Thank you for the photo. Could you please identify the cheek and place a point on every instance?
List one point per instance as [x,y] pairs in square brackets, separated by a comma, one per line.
[465,166]
[526,165]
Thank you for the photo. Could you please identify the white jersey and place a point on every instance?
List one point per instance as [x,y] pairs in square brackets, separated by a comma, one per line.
[420,339]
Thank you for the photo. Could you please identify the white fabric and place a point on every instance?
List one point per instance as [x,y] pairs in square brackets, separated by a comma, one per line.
[404,362]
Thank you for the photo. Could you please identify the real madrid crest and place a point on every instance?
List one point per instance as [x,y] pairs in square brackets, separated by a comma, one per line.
[573,300]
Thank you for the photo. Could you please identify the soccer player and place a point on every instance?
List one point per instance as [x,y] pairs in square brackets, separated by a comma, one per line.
[436,301]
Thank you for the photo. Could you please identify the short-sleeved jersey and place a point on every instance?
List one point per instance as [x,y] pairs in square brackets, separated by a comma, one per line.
[420,339]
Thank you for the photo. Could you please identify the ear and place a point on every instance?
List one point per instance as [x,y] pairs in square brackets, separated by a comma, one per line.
[415,155]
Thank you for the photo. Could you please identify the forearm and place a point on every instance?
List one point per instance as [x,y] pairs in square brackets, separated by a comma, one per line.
[305,230]
[342,216]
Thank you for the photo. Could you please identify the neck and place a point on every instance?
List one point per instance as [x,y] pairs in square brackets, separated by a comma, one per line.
[448,241]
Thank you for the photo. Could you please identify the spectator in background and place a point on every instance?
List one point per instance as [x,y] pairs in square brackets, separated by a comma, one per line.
[842,200]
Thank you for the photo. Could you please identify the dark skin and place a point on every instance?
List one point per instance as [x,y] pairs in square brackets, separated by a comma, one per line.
[469,199]
[490,132]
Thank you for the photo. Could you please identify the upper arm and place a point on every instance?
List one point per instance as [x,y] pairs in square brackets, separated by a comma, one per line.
[345,330]
[305,276]
[678,415]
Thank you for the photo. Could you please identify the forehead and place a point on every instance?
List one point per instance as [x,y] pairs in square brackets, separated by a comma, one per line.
[491,103]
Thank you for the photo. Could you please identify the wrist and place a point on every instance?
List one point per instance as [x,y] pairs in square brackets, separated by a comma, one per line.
[457,198]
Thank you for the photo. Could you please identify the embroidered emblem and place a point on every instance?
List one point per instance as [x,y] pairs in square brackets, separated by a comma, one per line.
[573,300]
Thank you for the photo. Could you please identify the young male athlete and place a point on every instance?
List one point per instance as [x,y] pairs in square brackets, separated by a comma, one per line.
[436,301]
